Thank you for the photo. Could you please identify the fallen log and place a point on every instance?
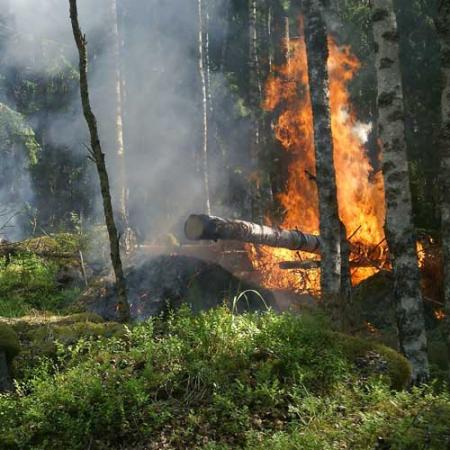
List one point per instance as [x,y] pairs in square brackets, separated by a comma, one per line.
[299,265]
[203,227]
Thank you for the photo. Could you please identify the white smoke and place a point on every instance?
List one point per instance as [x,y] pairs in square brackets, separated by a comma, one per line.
[163,117]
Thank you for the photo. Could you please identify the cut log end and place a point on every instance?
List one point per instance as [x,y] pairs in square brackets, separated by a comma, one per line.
[194,227]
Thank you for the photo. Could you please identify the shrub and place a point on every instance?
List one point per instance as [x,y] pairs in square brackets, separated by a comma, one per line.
[217,381]
[28,282]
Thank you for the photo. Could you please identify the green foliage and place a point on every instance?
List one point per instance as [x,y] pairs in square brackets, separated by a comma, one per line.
[44,340]
[28,282]
[398,369]
[215,381]
[14,132]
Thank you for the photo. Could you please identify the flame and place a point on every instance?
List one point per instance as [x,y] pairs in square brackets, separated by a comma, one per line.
[440,314]
[421,254]
[360,190]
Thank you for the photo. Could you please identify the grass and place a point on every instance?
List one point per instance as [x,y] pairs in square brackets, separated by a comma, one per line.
[28,283]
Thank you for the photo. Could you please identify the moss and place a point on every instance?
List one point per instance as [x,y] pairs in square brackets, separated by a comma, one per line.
[58,243]
[81,317]
[397,367]
[9,341]
[43,339]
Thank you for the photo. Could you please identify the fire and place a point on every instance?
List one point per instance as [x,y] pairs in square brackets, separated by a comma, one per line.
[421,254]
[360,190]
[440,314]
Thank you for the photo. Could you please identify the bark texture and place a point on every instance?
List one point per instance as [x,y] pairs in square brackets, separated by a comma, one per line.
[5,377]
[255,98]
[118,94]
[127,238]
[443,29]
[330,229]
[202,67]
[399,226]
[123,309]
[199,227]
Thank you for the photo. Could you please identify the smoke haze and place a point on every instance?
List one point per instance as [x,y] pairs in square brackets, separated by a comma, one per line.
[162,96]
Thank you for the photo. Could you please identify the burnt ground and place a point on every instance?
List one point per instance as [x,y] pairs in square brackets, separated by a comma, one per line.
[165,282]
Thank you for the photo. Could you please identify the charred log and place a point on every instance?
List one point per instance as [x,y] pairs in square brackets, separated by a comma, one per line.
[203,227]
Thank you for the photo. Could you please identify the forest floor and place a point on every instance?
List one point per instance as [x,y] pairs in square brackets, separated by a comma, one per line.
[213,380]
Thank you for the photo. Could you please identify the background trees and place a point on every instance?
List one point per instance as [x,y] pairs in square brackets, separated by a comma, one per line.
[45,95]
[154,99]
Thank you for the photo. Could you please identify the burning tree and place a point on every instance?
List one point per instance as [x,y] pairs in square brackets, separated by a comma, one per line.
[330,229]
[360,189]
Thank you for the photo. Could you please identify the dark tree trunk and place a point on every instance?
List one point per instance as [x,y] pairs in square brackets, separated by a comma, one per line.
[202,227]
[443,29]
[255,98]
[317,51]
[5,377]
[123,309]
[400,232]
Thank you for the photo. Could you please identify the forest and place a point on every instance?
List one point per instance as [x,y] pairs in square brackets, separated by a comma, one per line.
[224,224]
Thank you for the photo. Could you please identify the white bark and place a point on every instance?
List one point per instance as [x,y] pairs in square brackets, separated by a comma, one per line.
[202,71]
[287,43]
[399,226]
[118,93]
[203,227]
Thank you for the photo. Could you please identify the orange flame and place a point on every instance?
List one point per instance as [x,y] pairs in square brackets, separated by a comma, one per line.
[360,191]
[440,314]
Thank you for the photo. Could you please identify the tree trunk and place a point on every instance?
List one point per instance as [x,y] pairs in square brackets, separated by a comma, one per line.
[202,227]
[204,166]
[399,226]
[330,229]
[5,377]
[120,148]
[257,208]
[127,239]
[123,309]
[443,29]
[287,44]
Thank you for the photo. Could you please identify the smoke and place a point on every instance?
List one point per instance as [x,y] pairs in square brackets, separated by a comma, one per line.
[162,96]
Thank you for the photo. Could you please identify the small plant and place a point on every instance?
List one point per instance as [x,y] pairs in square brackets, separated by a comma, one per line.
[243,295]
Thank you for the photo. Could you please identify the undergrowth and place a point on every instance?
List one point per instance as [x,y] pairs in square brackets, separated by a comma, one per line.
[28,281]
[217,381]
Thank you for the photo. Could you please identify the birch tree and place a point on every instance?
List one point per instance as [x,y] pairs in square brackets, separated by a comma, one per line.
[202,67]
[127,237]
[399,225]
[330,228]
[123,309]
[261,189]
[118,99]
[443,29]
